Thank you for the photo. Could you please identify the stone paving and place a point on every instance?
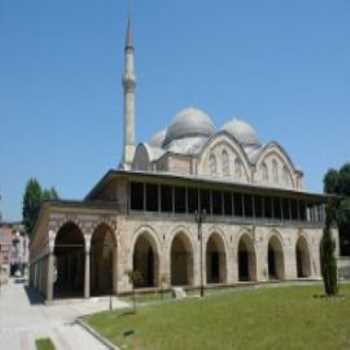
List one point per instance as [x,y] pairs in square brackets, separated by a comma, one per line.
[23,318]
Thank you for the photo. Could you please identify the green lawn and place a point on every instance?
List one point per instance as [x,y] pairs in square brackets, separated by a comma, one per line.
[44,344]
[266,318]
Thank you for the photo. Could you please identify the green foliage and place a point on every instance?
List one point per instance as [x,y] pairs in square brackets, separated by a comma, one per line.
[330,181]
[49,194]
[135,277]
[44,344]
[31,204]
[338,182]
[344,180]
[343,212]
[328,260]
[32,199]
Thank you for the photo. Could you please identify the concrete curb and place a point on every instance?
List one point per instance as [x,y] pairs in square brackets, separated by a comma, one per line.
[101,339]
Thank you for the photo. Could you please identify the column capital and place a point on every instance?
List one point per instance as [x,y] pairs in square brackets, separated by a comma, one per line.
[52,238]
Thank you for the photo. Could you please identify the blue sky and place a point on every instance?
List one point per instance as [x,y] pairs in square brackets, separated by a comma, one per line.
[283,66]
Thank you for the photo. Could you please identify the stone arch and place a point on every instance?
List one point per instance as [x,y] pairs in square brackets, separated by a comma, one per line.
[181,260]
[302,258]
[69,252]
[276,152]
[275,258]
[146,257]
[216,144]
[246,258]
[216,259]
[102,260]
[142,158]
[61,223]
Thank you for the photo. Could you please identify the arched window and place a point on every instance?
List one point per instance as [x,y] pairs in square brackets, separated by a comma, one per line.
[275,171]
[225,163]
[265,172]
[238,168]
[286,179]
[212,164]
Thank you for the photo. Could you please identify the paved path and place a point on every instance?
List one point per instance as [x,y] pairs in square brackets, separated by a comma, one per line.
[23,318]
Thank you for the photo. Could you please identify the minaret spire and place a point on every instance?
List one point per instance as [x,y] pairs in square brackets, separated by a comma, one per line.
[128,41]
[129,86]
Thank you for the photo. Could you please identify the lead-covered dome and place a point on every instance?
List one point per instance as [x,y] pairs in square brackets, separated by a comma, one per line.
[190,122]
[157,139]
[242,131]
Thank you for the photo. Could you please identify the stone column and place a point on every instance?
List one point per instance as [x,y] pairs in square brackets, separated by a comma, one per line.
[34,275]
[261,249]
[50,267]
[196,257]
[290,265]
[50,277]
[115,261]
[232,261]
[87,266]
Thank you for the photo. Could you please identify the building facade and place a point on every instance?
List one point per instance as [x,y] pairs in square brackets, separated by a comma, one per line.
[14,249]
[5,252]
[193,206]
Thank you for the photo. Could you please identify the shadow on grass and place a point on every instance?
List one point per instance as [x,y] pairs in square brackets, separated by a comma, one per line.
[328,297]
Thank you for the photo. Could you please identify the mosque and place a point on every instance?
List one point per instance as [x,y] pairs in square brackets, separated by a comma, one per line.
[195,206]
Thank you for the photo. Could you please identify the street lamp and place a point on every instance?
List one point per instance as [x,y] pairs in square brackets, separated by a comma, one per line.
[200,217]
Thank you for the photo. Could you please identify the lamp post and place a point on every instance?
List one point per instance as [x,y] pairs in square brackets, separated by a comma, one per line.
[200,217]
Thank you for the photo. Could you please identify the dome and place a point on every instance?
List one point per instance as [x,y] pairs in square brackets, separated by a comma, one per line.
[190,122]
[157,139]
[188,145]
[242,131]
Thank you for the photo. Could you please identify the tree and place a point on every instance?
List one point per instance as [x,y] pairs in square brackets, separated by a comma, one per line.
[344,180]
[31,204]
[331,181]
[328,260]
[135,277]
[33,196]
[338,182]
[49,194]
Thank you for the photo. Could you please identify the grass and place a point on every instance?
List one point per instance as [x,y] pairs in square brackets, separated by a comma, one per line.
[265,318]
[44,344]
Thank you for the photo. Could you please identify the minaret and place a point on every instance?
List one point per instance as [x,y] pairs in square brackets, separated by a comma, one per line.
[129,85]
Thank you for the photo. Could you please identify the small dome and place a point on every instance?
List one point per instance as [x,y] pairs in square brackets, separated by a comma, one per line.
[157,139]
[190,122]
[242,131]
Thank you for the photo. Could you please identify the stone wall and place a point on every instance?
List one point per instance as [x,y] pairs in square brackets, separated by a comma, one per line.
[161,230]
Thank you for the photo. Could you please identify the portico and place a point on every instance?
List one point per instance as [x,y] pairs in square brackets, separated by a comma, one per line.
[76,253]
